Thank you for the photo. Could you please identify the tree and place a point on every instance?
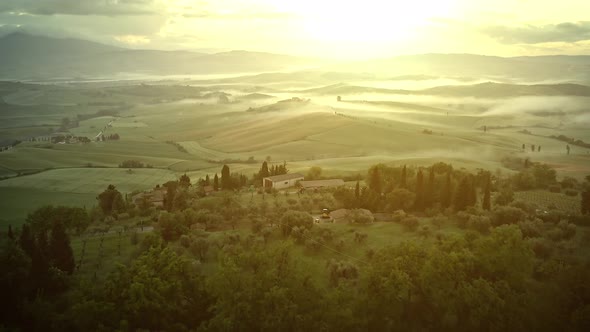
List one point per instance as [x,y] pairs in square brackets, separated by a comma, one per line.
[586,201]
[199,247]
[357,191]
[400,199]
[10,234]
[447,192]
[207,181]
[293,219]
[419,202]
[184,181]
[429,193]
[180,201]
[61,253]
[216,182]
[375,179]
[463,194]
[171,189]
[314,173]
[403,180]
[486,194]
[111,200]
[263,173]
[26,240]
[225,178]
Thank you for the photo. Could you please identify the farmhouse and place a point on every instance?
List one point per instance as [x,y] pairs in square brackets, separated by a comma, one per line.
[281,181]
[155,197]
[318,184]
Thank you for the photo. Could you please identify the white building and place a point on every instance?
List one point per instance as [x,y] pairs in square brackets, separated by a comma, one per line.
[281,181]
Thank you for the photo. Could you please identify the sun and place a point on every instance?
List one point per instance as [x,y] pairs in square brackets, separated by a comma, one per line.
[369,21]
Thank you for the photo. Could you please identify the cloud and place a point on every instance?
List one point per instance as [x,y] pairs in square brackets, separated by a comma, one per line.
[530,34]
[83,7]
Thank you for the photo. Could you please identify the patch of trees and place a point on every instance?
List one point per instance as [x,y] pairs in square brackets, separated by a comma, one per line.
[535,175]
[83,117]
[36,263]
[131,163]
[178,146]
[111,201]
[571,140]
[437,187]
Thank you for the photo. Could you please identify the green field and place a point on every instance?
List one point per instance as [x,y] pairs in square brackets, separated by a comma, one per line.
[344,138]
[70,186]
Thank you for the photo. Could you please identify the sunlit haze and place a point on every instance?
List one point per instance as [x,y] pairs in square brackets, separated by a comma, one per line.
[344,29]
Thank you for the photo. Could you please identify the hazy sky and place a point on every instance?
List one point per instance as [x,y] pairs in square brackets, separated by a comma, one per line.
[343,29]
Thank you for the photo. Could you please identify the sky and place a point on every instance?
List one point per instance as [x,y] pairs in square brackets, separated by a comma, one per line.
[341,29]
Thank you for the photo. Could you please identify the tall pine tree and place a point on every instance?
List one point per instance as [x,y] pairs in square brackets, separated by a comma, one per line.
[263,173]
[419,201]
[216,182]
[225,178]
[375,179]
[486,204]
[429,192]
[403,180]
[61,253]
[464,195]
[447,192]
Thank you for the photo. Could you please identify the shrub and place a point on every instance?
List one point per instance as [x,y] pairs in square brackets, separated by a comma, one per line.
[439,221]
[505,197]
[569,230]
[425,231]
[360,237]
[580,220]
[398,216]
[529,208]
[312,245]
[410,223]
[341,270]
[542,248]
[571,192]
[481,224]
[503,215]
[555,188]
[531,228]
[185,241]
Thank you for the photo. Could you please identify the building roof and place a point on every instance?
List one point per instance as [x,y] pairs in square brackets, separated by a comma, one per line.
[322,183]
[340,213]
[285,177]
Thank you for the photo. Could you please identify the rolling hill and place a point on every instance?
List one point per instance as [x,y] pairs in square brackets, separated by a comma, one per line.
[23,56]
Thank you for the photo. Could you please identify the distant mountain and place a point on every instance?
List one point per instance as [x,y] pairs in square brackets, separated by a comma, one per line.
[482,90]
[498,90]
[532,69]
[24,56]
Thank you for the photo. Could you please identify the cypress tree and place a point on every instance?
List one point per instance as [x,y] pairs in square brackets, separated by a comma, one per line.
[472,198]
[447,192]
[357,191]
[464,194]
[207,180]
[26,240]
[419,201]
[10,234]
[403,178]
[60,250]
[225,178]
[586,201]
[216,182]
[429,193]
[486,205]
[263,171]
[375,180]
